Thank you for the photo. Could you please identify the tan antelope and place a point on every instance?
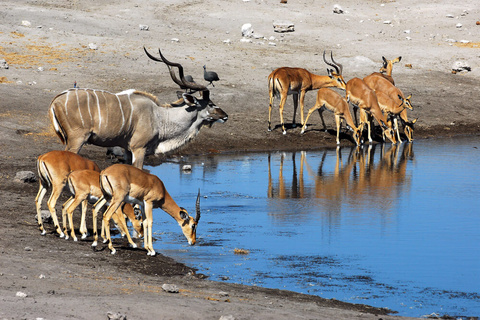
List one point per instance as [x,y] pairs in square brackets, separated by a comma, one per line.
[408,125]
[392,108]
[53,168]
[361,96]
[297,81]
[132,119]
[122,183]
[84,185]
[327,99]
[386,69]
[378,83]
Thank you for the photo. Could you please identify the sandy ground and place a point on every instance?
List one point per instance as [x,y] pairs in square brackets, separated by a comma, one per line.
[63,279]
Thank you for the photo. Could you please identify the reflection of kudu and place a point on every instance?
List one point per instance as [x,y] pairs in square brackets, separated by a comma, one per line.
[132,119]
[297,81]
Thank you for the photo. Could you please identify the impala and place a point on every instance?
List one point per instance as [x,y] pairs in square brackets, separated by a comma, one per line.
[392,108]
[297,81]
[327,99]
[408,125]
[386,69]
[377,83]
[53,168]
[132,119]
[360,95]
[123,183]
[84,185]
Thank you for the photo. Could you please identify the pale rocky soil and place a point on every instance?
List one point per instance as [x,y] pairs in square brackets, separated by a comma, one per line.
[63,279]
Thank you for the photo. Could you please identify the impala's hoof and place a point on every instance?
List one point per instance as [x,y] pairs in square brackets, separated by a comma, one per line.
[84,236]
[113,251]
[94,244]
[284,132]
[133,245]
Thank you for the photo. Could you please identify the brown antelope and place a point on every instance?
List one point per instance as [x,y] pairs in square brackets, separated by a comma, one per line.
[122,183]
[386,69]
[53,168]
[84,185]
[297,81]
[131,119]
[408,125]
[327,99]
[378,83]
[360,95]
[392,108]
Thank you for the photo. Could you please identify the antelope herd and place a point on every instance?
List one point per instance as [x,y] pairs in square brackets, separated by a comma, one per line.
[375,95]
[137,122]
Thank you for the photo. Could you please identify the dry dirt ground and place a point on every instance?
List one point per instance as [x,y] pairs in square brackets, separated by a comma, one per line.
[63,279]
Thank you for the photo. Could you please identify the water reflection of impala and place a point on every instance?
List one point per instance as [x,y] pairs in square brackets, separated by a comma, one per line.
[370,177]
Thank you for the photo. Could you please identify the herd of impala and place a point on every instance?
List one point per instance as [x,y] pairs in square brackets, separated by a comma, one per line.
[376,96]
[137,122]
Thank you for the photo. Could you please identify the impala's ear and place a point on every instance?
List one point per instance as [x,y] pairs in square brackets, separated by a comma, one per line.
[184,215]
[190,100]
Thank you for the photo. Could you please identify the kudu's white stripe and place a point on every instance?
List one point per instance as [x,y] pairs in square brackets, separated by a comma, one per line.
[78,106]
[123,116]
[88,105]
[98,108]
[105,107]
[66,102]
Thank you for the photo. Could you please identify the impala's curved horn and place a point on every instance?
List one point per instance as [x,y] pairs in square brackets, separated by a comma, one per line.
[197,207]
[338,67]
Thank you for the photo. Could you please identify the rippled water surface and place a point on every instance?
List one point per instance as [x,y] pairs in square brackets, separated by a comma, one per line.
[395,227]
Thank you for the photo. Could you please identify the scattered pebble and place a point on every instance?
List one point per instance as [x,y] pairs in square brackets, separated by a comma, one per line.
[337,9]
[458,25]
[187,168]
[21,294]
[26,23]
[92,46]
[25,177]
[170,288]
[143,27]
[116,316]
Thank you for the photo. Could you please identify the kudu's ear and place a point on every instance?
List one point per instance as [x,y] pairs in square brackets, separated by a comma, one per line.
[190,100]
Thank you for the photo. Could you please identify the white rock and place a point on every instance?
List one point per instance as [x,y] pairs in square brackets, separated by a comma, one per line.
[92,46]
[175,40]
[406,31]
[387,22]
[465,41]
[272,44]
[245,40]
[460,66]
[450,40]
[21,294]
[408,38]
[26,23]
[170,288]
[283,26]
[3,64]
[450,15]
[337,9]
[187,168]
[247,30]
[459,25]
[227,41]
[143,27]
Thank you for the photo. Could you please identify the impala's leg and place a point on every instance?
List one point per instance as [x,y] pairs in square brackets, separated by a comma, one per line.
[295,107]
[280,109]
[338,122]
[320,112]
[114,205]
[38,204]
[147,228]
[302,100]
[100,203]
[270,105]
[52,201]
[65,206]
[315,107]
[365,119]
[120,220]
[83,222]
[69,210]
[395,123]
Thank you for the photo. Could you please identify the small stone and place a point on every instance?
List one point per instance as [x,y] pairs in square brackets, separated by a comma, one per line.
[116,316]
[42,276]
[143,27]
[25,177]
[26,23]
[387,22]
[283,26]
[459,66]
[170,288]
[175,40]
[228,317]
[247,30]
[21,294]
[450,15]
[3,64]
[458,25]
[187,168]
[337,9]
[28,249]
[92,46]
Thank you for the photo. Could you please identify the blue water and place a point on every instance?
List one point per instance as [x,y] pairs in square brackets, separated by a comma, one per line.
[393,226]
